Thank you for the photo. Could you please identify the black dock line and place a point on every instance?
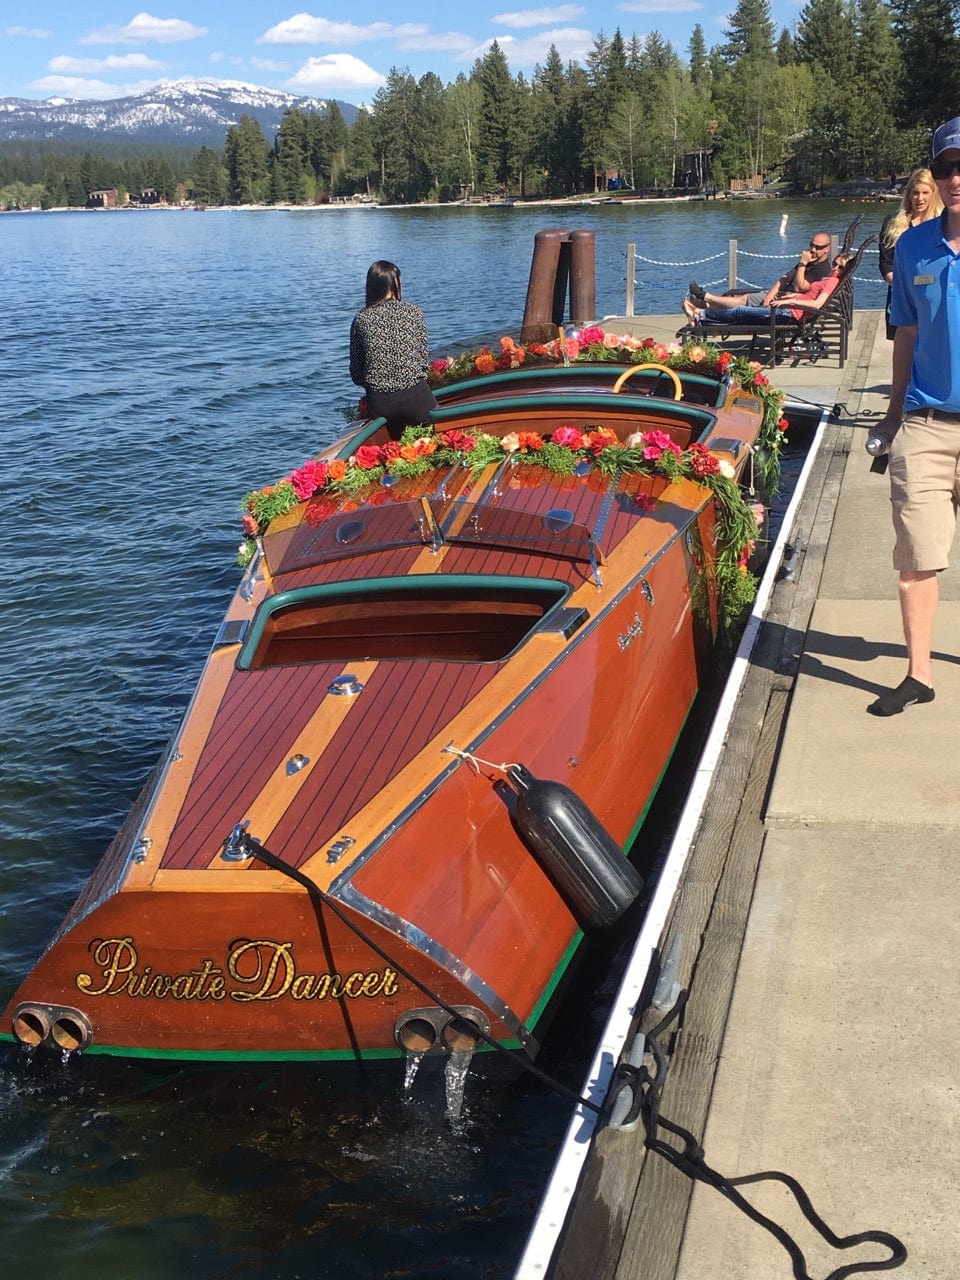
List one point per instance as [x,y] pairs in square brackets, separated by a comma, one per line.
[647,1089]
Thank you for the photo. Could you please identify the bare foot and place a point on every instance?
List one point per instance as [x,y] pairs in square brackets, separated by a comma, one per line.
[689,310]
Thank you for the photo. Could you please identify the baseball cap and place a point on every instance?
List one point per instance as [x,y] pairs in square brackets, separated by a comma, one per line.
[947,137]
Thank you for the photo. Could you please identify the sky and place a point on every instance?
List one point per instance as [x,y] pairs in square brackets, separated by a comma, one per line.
[107,49]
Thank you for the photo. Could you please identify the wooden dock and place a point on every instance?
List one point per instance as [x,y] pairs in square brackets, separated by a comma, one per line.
[815,911]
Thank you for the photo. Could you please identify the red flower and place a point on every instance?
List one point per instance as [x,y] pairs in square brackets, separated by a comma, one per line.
[702,461]
[593,333]
[761,381]
[249,525]
[391,450]
[368,456]
[645,501]
[597,441]
[783,425]
[458,440]
[724,361]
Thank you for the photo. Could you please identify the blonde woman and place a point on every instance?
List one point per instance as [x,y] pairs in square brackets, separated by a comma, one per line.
[921,200]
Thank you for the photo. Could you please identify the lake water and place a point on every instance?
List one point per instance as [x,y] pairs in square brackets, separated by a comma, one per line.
[153,367]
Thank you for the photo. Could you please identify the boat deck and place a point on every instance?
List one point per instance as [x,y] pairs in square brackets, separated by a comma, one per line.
[823,1024]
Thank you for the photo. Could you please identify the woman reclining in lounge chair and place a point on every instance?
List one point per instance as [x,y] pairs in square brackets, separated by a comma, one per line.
[791,308]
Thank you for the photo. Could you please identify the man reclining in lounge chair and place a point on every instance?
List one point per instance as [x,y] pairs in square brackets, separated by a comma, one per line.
[791,308]
[814,265]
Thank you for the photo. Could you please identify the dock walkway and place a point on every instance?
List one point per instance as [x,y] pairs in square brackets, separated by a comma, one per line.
[819,918]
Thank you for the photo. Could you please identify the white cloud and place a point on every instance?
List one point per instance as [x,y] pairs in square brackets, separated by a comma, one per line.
[659,6]
[452,42]
[31,33]
[115,62]
[335,73]
[79,87]
[145,29]
[572,44]
[540,17]
[303,28]
[269,64]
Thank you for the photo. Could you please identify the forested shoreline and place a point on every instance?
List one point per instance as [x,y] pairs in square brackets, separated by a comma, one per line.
[853,91]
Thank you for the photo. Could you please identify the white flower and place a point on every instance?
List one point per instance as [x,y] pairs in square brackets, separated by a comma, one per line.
[726,469]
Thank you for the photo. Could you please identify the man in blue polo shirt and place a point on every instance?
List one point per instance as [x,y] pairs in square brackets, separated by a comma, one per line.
[923,418]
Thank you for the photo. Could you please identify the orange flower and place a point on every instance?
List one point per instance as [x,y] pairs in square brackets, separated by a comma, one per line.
[421,448]
[337,469]
[485,362]
[531,440]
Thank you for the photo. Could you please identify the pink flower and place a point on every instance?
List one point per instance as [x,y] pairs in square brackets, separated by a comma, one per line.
[510,443]
[568,437]
[759,512]
[306,480]
[696,355]
[657,443]
[593,333]
[249,525]
[645,501]
[442,365]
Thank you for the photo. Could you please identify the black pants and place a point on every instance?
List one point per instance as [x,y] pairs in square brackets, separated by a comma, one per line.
[406,408]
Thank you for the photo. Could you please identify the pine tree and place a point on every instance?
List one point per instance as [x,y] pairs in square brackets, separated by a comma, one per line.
[929,45]
[699,66]
[208,182]
[498,105]
[247,161]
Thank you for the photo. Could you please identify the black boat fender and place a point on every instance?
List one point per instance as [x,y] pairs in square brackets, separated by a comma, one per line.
[575,849]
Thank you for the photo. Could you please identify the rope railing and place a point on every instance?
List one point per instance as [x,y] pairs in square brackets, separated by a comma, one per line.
[733,280]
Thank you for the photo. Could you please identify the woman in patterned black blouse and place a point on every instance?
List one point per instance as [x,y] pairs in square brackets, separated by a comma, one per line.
[389,353]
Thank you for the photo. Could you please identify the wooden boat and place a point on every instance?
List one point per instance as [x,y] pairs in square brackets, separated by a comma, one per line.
[431,722]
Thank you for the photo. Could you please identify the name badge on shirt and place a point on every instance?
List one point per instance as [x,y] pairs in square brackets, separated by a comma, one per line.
[923,279]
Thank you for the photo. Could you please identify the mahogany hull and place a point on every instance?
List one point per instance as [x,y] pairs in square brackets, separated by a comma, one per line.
[392,799]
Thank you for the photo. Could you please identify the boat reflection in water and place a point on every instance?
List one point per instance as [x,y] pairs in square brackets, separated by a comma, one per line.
[432,720]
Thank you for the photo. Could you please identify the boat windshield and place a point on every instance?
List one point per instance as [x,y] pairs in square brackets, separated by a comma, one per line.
[366,529]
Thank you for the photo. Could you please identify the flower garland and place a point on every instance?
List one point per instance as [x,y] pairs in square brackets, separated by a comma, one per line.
[567,451]
[593,345]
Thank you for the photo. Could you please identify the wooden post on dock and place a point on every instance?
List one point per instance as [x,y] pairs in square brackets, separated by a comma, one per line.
[559,257]
[631,278]
[732,264]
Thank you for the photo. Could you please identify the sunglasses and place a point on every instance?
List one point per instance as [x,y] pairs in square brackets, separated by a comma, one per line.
[945,168]
[819,247]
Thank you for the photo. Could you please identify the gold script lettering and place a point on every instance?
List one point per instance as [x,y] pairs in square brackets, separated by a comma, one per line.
[260,970]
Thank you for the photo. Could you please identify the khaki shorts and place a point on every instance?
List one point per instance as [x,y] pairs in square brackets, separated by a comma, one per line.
[925,489]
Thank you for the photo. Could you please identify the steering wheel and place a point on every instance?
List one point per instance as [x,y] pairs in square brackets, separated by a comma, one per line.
[663,368]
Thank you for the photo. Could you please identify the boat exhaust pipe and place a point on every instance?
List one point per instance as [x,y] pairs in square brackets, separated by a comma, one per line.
[417,1034]
[31,1025]
[458,1029]
[55,1027]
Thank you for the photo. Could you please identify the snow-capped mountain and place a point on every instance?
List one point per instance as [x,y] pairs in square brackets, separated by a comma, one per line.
[175,113]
